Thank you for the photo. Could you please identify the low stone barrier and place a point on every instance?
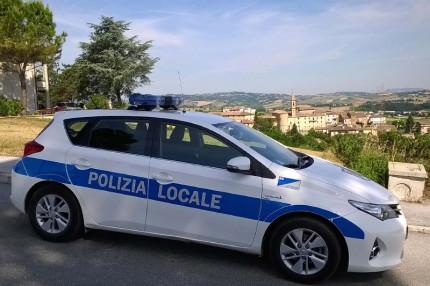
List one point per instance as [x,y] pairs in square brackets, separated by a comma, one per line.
[407,180]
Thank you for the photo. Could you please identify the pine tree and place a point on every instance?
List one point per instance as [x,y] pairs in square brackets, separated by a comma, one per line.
[113,64]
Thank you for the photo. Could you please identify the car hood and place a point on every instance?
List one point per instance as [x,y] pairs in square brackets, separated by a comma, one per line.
[351,181]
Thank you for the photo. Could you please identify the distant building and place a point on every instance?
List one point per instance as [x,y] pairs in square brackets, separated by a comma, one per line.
[329,122]
[358,119]
[10,87]
[305,119]
[306,111]
[293,105]
[425,128]
[277,112]
[345,119]
[361,119]
[247,122]
[341,129]
[331,118]
[377,119]
[238,109]
[240,114]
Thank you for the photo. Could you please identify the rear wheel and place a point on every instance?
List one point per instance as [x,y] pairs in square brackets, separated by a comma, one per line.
[54,214]
[305,250]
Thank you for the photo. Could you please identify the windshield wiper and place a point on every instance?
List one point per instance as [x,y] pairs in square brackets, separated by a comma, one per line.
[305,161]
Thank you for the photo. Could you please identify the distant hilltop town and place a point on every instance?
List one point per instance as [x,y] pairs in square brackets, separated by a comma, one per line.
[306,118]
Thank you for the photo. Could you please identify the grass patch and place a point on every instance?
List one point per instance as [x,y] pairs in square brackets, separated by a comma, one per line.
[326,155]
[16,131]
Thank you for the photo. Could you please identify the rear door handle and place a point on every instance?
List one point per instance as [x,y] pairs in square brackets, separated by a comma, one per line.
[81,164]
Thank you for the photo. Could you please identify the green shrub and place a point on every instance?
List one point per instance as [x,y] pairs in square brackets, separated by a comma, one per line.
[10,107]
[116,105]
[97,101]
[293,138]
[15,107]
[3,106]
[366,154]
[372,166]
[348,147]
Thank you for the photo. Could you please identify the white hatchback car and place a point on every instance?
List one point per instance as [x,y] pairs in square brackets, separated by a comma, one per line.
[207,179]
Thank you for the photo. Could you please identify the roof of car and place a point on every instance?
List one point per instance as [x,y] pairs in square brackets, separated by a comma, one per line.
[189,116]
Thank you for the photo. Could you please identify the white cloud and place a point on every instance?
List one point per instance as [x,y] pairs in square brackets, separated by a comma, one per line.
[149,30]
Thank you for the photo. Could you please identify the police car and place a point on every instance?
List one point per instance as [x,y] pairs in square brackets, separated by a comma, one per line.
[207,179]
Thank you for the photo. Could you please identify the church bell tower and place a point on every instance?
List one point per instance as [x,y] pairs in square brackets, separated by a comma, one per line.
[293,105]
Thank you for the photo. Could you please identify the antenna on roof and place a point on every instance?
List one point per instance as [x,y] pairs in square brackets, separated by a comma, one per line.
[180,84]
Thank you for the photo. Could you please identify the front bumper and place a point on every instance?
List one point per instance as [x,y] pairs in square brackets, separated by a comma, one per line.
[389,235]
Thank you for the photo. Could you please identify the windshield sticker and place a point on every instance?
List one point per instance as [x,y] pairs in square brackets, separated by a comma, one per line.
[289,183]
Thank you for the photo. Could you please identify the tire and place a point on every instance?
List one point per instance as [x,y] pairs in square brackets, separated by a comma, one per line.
[54,214]
[305,250]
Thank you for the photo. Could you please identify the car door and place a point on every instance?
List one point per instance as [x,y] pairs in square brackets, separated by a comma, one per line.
[191,193]
[108,165]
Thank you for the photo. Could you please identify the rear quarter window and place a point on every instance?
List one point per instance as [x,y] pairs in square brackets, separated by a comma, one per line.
[77,130]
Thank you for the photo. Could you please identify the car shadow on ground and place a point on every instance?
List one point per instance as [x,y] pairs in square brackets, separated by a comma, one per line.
[210,257]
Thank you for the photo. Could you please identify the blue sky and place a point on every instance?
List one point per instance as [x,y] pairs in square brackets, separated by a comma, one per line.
[267,46]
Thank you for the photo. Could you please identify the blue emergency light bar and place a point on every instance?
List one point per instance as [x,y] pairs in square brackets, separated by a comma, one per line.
[149,101]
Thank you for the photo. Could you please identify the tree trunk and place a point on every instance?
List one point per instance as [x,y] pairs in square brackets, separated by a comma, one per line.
[23,83]
[118,98]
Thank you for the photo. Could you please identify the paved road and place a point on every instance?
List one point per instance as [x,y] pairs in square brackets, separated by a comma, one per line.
[105,258]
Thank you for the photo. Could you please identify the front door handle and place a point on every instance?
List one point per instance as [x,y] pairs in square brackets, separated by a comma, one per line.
[81,164]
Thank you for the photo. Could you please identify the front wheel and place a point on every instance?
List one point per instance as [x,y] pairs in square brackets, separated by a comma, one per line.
[54,214]
[305,250]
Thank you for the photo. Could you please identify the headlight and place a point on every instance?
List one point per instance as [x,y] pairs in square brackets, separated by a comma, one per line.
[381,212]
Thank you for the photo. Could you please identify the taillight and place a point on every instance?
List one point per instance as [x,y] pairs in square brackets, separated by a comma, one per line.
[32,147]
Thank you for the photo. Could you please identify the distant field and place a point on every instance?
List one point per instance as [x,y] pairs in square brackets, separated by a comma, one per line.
[15,132]
[421,120]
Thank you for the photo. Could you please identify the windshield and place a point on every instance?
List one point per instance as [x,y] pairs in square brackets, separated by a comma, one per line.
[261,143]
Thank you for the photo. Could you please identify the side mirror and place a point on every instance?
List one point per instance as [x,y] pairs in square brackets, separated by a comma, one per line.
[239,164]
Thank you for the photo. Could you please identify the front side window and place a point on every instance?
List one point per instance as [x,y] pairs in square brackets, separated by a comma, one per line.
[190,144]
[123,135]
[262,144]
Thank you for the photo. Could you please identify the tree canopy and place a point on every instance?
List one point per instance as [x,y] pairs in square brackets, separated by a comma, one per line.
[112,63]
[65,86]
[27,34]
[409,125]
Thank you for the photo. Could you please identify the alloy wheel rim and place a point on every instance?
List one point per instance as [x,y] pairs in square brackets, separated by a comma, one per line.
[52,214]
[304,251]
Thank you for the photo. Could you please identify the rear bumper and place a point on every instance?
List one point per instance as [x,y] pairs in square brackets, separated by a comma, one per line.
[20,186]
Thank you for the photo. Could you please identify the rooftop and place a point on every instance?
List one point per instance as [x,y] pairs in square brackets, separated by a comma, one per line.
[189,116]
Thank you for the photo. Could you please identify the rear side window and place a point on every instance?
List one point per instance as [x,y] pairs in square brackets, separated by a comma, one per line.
[77,129]
[120,134]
